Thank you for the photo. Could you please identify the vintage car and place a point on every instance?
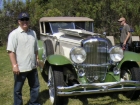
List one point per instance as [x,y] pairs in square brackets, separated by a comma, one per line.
[74,60]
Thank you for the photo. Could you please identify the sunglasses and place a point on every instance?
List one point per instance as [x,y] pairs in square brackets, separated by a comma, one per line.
[120,21]
[24,19]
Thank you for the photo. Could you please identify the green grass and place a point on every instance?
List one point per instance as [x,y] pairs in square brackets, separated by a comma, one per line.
[6,90]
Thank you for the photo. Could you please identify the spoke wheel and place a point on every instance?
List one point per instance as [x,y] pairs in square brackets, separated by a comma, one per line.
[131,74]
[55,79]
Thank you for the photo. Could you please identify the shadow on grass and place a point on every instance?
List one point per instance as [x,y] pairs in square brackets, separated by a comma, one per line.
[43,97]
[93,99]
[100,99]
[84,100]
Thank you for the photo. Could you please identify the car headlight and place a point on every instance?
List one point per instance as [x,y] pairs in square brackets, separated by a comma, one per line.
[116,54]
[78,54]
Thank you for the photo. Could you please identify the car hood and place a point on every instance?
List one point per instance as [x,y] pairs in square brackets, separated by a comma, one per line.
[74,32]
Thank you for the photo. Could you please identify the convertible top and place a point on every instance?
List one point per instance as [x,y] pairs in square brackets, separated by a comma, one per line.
[61,19]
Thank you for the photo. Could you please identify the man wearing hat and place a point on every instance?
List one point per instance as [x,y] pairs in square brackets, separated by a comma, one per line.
[23,53]
[125,38]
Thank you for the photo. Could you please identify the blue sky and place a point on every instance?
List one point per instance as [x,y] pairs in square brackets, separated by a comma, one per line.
[1,3]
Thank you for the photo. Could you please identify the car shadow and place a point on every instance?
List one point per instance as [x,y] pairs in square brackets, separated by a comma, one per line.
[43,97]
[84,100]
[97,99]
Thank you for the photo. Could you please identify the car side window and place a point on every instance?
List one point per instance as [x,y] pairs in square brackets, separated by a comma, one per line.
[47,27]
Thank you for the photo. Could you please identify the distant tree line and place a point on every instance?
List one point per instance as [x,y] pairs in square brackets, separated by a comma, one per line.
[104,12]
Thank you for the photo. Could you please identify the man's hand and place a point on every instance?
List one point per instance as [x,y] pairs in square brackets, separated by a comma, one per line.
[16,70]
[124,43]
[37,62]
[123,47]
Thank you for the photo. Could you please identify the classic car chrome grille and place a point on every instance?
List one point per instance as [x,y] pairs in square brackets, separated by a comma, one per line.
[95,74]
[97,54]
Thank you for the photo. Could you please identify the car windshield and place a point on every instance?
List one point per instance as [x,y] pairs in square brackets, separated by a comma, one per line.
[88,26]
[64,25]
[71,25]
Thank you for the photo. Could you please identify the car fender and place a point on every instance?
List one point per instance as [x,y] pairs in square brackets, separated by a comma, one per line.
[58,60]
[130,56]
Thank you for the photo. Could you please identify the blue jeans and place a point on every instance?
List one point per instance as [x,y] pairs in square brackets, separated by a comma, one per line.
[33,82]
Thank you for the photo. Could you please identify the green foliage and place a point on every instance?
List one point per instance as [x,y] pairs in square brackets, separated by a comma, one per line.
[137,30]
[104,12]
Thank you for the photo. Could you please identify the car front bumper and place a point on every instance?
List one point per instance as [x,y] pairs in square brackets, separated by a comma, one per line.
[81,89]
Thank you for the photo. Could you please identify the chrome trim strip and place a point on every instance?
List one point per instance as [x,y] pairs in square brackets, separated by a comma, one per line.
[96,65]
[99,88]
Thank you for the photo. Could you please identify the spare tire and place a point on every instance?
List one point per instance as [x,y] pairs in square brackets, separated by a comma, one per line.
[48,51]
[49,47]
